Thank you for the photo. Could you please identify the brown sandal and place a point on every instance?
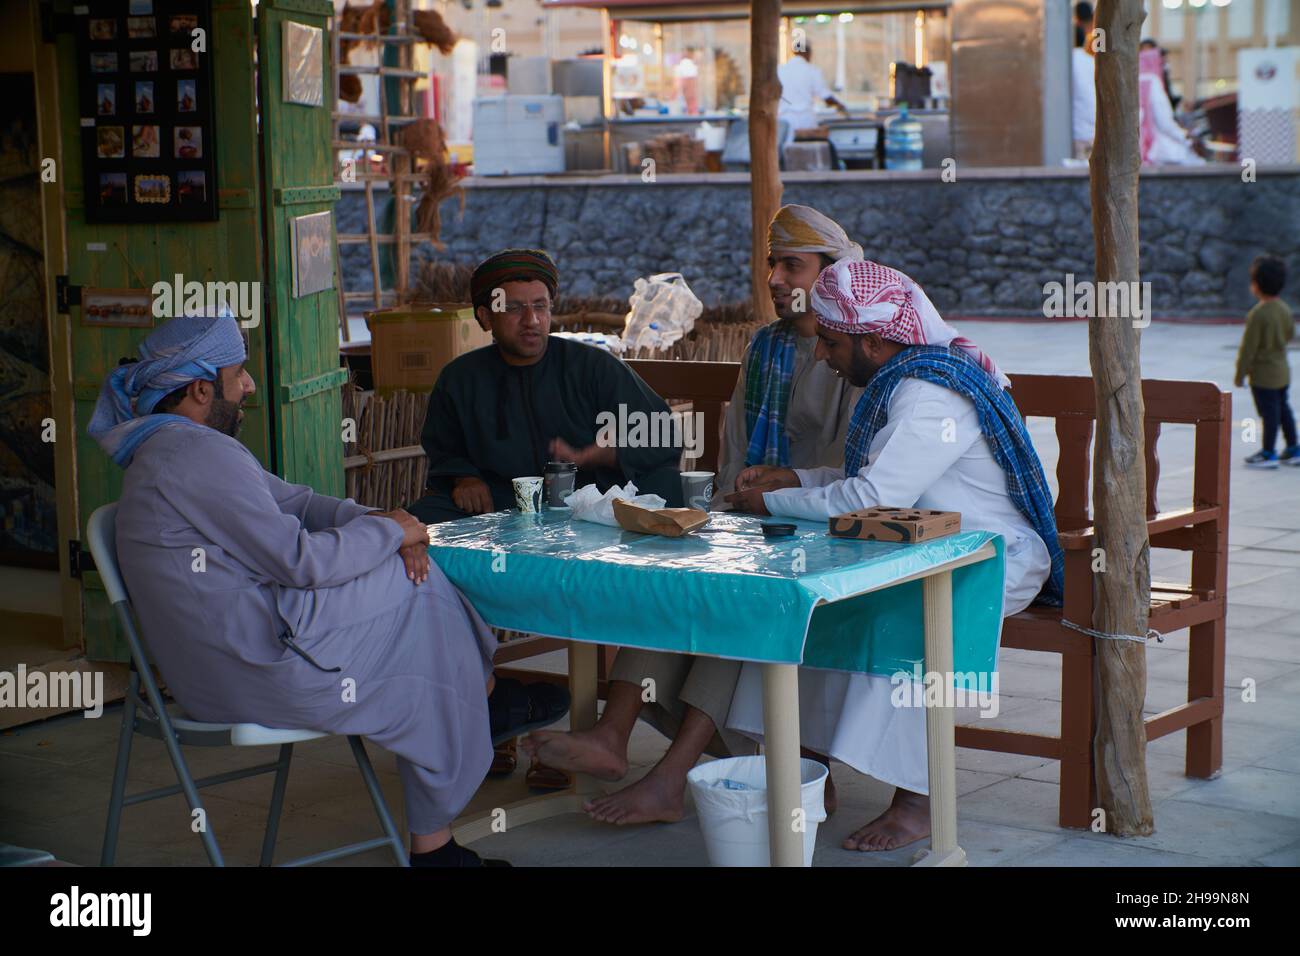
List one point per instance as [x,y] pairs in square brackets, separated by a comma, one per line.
[504,759]
[542,777]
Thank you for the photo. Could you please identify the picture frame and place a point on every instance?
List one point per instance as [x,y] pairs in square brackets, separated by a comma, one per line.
[118,308]
[148,130]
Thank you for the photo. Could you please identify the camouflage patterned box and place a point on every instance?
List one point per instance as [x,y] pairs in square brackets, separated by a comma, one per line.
[908,525]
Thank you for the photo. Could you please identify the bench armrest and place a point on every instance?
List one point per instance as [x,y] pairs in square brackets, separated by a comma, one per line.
[1083,539]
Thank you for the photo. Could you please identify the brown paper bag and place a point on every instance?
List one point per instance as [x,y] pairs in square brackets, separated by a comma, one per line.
[669,522]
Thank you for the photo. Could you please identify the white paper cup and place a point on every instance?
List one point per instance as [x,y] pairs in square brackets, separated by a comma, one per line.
[528,494]
[697,489]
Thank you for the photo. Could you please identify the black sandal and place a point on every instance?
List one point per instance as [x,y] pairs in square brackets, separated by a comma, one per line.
[515,709]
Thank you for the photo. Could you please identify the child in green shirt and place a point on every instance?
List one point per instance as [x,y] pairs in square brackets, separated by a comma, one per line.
[1262,358]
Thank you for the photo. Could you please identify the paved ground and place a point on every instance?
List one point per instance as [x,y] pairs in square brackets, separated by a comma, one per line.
[54,777]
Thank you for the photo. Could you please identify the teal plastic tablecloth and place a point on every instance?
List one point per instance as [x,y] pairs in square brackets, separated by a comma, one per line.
[725,591]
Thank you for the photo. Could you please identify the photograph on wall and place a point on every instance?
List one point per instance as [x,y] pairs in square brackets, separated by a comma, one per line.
[191,187]
[143,61]
[312,240]
[112,189]
[189,142]
[304,59]
[144,142]
[186,98]
[106,99]
[154,188]
[146,107]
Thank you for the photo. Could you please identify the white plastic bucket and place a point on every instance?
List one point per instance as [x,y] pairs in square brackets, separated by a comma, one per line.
[734,821]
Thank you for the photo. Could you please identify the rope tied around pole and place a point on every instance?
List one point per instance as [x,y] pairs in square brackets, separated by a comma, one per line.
[1151,632]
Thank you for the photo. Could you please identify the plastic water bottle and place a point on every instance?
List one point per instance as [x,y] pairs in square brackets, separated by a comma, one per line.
[903,142]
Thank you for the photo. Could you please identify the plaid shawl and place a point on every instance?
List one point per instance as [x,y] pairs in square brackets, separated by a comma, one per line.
[1000,423]
[769,370]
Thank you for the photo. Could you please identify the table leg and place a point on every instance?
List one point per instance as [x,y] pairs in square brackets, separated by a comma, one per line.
[582,700]
[781,742]
[942,753]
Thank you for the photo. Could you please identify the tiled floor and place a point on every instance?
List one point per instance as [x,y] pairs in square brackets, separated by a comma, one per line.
[54,777]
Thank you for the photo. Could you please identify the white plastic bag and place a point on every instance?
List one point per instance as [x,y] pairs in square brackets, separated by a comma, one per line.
[663,310]
[589,504]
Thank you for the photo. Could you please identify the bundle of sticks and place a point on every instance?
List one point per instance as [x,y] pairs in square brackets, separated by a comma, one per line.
[385,466]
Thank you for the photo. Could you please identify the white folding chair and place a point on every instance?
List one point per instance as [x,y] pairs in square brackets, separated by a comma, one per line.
[147,714]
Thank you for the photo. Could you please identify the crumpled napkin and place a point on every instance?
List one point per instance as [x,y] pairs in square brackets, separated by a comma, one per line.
[589,504]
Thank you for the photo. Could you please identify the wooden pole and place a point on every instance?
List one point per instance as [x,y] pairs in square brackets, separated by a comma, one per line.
[764,162]
[1123,588]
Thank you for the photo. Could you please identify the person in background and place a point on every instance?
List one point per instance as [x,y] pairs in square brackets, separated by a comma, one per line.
[686,82]
[1162,140]
[1083,89]
[802,88]
[1262,359]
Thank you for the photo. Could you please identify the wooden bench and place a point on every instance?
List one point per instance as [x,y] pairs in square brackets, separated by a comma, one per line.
[1201,529]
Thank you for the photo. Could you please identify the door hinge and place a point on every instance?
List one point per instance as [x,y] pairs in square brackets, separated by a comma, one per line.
[78,560]
[66,294]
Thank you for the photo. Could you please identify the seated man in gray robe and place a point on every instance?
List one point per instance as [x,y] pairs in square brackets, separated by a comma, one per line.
[787,408]
[263,601]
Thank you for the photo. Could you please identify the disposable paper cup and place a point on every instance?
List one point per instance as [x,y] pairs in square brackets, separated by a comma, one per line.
[528,494]
[697,489]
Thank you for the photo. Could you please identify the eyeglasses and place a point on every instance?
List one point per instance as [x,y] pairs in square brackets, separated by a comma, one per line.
[516,309]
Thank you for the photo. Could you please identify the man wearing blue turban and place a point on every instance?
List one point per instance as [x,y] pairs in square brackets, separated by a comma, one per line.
[263,601]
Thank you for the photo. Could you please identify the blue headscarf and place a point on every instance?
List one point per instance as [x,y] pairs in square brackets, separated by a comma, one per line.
[183,350]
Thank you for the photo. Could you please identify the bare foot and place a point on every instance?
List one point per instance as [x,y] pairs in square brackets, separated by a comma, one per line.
[655,798]
[591,752]
[906,821]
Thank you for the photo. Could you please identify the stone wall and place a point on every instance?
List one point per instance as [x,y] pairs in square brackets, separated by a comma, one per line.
[982,246]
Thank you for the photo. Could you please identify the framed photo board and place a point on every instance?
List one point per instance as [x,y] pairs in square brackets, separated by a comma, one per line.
[145,93]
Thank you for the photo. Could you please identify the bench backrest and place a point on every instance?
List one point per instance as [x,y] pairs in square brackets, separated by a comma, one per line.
[1068,399]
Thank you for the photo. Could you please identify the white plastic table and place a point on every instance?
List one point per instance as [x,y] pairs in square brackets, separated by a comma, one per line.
[810,599]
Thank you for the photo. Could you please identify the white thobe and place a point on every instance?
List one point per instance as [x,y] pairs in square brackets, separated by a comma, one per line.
[803,89]
[929,454]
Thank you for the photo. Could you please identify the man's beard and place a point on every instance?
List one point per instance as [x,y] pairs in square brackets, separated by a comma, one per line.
[861,369]
[223,415]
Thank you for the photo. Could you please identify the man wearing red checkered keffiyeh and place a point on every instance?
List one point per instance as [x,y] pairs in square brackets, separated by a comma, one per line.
[935,429]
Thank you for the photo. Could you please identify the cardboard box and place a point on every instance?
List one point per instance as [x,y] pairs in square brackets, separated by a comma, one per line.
[908,525]
[410,345]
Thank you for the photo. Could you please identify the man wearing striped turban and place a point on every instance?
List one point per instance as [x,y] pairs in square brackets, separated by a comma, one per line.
[264,601]
[936,429]
[788,409]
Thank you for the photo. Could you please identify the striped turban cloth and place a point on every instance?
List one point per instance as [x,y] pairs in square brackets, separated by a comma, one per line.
[183,350]
[804,229]
[861,297]
[512,265]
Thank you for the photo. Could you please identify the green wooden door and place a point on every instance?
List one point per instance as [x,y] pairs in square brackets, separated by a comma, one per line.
[298,182]
[136,255]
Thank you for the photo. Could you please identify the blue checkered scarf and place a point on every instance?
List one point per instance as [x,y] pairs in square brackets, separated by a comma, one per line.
[176,353]
[769,370]
[1000,423]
